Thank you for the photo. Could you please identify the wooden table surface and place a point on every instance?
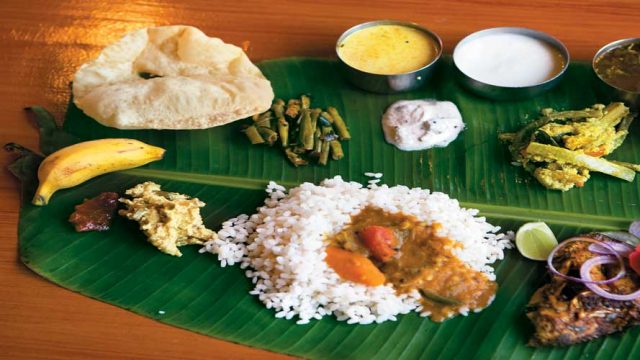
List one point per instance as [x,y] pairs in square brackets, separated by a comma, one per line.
[44,42]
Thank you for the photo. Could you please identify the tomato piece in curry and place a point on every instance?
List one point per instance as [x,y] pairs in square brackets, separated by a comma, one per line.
[420,260]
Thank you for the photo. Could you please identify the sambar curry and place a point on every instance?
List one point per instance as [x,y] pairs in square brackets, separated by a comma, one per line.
[379,247]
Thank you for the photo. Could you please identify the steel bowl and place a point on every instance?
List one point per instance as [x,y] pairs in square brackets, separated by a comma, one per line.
[395,83]
[612,92]
[496,92]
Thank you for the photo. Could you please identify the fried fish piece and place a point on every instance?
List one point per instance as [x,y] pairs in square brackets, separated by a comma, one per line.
[565,312]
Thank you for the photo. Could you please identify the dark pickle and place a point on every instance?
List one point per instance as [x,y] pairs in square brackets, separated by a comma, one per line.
[620,67]
[95,214]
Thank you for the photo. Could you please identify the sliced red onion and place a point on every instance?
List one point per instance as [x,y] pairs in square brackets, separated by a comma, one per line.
[614,255]
[623,249]
[634,228]
[599,249]
[585,273]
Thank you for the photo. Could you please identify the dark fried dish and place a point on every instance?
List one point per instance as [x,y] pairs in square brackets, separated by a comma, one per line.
[566,312]
[95,214]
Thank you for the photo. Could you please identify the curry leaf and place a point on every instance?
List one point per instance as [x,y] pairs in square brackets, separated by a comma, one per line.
[52,137]
[25,167]
[26,163]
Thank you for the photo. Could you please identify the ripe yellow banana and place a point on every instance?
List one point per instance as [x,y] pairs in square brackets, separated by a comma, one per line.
[78,163]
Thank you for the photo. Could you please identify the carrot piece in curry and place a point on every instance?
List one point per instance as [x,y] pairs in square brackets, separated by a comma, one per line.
[354,267]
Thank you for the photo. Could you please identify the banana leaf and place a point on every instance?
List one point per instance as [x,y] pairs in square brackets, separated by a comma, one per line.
[220,167]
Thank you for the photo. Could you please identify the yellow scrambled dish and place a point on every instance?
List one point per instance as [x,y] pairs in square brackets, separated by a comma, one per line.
[561,148]
[168,219]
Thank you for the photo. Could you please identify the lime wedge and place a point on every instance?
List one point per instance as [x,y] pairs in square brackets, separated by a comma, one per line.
[535,240]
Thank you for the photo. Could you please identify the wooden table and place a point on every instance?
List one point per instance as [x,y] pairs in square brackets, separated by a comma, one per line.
[43,43]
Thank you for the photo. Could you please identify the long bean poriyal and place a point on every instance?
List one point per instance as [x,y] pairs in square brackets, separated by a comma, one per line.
[305,133]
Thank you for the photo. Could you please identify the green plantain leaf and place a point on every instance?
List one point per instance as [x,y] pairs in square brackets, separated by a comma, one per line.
[220,167]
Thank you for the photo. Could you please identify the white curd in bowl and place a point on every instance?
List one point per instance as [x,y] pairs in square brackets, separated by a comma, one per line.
[508,60]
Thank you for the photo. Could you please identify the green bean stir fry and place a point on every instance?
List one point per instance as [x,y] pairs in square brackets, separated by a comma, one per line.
[304,133]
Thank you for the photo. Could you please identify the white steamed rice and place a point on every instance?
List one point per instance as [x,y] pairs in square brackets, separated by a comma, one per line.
[282,247]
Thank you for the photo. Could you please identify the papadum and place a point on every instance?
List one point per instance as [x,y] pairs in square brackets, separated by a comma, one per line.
[170,77]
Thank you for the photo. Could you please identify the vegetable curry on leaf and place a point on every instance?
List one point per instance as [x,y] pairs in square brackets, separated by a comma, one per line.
[561,148]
